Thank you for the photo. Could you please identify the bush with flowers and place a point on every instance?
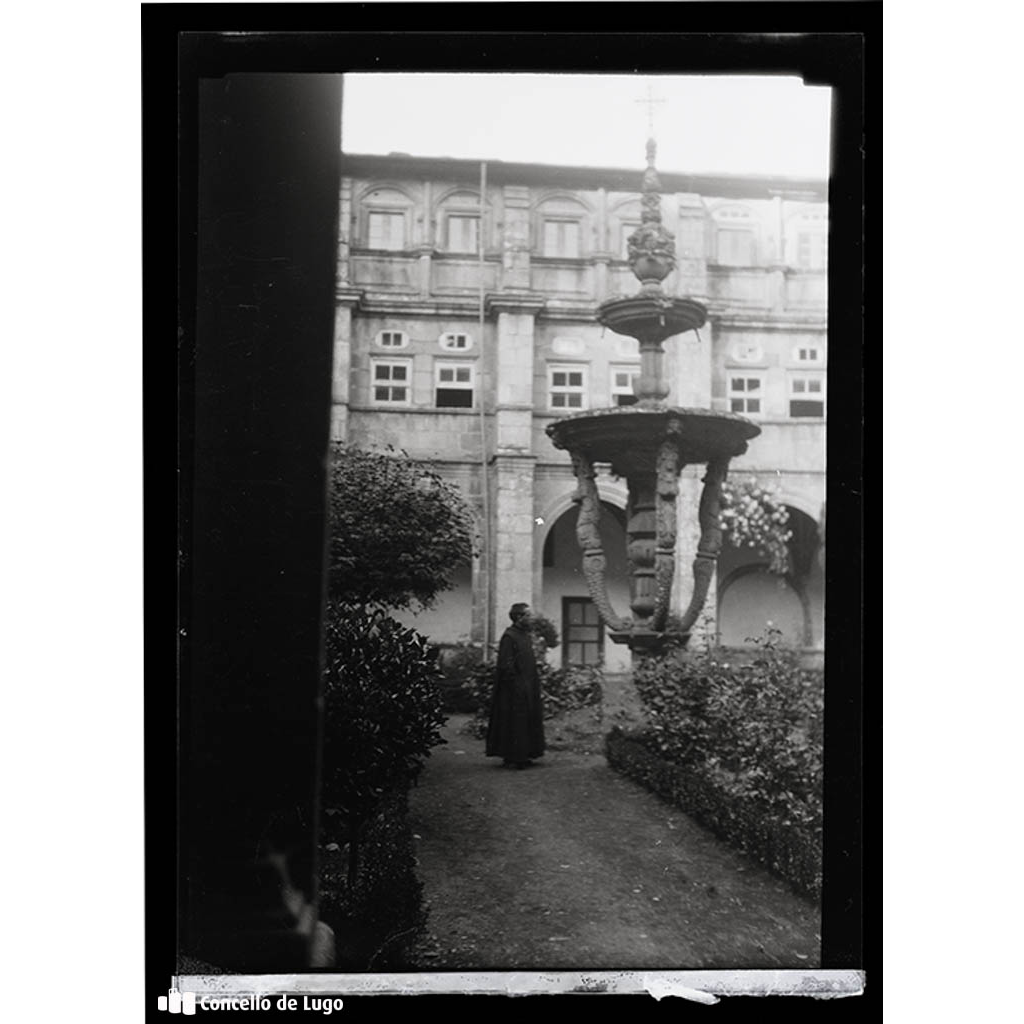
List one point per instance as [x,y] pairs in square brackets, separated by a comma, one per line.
[753,516]
[737,743]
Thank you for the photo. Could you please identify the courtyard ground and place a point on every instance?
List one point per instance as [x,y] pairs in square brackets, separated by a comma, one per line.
[568,865]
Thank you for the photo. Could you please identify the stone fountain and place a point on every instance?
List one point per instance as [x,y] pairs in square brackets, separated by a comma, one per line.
[648,444]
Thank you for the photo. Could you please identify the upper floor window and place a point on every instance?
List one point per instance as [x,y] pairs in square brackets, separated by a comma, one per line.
[746,394]
[812,250]
[806,237]
[623,379]
[807,396]
[735,247]
[392,339]
[736,236]
[562,238]
[567,387]
[462,233]
[385,230]
[391,379]
[453,385]
[808,354]
[455,341]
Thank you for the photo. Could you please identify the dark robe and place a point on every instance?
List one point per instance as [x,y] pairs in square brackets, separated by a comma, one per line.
[516,728]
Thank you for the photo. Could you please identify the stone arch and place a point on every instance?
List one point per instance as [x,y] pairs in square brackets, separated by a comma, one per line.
[805,581]
[390,189]
[560,588]
[742,611]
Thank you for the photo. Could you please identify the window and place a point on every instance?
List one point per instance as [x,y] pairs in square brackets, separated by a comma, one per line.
[735,247]
[391,378]
[386,230]
[455,341]
[453,386]
[583,632]
[746,394]
[567,387]
[392,339]
[623,379]
[808,354]
[562,238]
[462,233]
[807,396]
[812,250]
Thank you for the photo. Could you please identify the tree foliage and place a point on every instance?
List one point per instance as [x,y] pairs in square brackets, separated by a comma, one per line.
[398,530]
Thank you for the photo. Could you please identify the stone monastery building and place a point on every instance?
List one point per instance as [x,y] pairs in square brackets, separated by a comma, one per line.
[464,328]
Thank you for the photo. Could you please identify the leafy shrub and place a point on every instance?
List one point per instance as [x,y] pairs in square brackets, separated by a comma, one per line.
[398,530]
[562,689]
[545,632]
[382,715]
[375,918]
[458,663]
[755,728]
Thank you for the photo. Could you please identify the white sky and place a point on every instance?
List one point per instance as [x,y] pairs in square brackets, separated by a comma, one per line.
[731,124]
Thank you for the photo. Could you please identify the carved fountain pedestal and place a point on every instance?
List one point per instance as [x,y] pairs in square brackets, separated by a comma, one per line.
[648,444]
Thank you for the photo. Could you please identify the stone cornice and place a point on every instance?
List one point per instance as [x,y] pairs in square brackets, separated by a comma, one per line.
[347,296]
[404,166]
[785,321]
[514,302]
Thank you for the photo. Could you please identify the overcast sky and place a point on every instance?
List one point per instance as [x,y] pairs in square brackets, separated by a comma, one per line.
[732,124]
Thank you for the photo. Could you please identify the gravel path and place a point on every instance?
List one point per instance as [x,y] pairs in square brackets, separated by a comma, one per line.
[569,866]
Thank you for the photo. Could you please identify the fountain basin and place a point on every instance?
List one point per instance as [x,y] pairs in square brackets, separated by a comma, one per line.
[651,317]
[630,437]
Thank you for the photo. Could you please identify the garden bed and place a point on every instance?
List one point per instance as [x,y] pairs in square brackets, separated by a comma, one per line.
[790,849]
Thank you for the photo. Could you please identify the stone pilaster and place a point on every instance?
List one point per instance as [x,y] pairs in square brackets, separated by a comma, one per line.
[423,269]
[512,540]
[512,466]
[691,246]
[342,274]
[691,384]
[345,301]
[515,261]
[513,372]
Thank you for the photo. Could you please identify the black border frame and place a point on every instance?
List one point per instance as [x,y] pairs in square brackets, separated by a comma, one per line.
[181,43]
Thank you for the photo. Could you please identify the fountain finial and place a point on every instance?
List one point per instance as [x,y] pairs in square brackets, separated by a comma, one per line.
[652,249]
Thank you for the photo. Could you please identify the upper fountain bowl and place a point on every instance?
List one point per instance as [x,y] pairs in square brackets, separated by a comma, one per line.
[651,316]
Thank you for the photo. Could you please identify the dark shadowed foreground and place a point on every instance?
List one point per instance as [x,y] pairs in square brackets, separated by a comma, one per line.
[569,866]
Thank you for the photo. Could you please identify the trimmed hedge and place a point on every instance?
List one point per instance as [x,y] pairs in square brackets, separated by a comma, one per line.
[768,836]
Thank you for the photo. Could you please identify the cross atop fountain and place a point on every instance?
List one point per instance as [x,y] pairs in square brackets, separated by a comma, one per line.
[650,100]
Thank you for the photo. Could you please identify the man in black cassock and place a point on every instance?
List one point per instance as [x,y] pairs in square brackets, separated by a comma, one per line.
[516,728]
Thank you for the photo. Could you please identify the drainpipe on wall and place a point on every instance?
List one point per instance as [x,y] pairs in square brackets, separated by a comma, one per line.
[485,538]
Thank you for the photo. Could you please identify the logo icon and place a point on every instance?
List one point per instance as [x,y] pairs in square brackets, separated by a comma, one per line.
[177,1002]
